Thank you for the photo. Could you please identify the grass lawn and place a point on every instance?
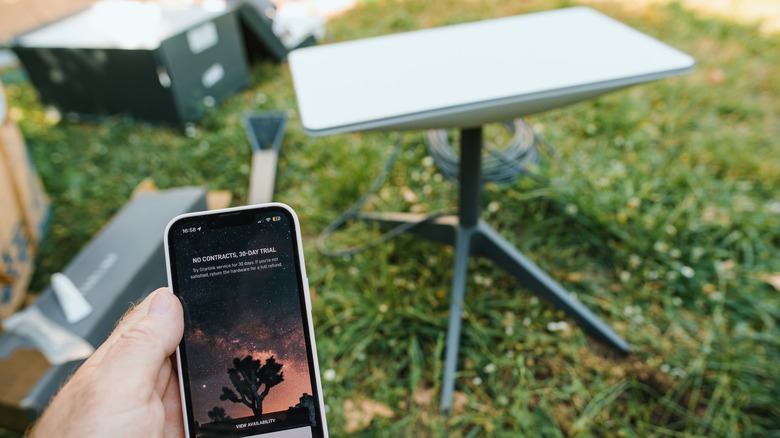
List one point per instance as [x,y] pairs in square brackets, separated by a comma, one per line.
[662,215]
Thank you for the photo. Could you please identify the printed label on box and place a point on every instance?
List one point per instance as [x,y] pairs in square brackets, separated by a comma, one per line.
[202,37]
[12,258]
[212,75]
[16,269]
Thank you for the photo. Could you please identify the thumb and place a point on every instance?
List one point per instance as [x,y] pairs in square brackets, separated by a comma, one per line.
[144,339]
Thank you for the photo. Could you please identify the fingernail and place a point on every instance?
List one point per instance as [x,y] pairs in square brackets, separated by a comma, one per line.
[160,304]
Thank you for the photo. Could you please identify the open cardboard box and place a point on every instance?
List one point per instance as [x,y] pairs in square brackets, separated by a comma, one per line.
[25,211]
[120,265]
[17,16]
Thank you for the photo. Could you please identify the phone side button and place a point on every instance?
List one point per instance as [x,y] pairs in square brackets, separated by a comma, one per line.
[308,294]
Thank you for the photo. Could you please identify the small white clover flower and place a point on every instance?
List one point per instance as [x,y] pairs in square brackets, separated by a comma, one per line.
[329,375]
[560,326]
[687,272]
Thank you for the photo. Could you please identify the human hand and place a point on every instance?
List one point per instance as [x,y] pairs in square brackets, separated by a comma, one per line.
[128,387]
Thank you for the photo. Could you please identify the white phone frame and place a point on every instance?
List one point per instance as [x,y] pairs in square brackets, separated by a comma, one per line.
[307,297]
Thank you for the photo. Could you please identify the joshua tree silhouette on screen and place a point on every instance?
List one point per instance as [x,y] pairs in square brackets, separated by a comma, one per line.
[252,382]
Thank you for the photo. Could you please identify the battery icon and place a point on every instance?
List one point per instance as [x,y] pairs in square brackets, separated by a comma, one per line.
[277,218]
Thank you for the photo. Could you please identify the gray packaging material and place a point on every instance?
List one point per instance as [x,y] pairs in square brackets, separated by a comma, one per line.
[266,36]
[122,264]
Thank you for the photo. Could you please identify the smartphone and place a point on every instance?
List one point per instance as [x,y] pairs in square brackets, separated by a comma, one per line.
[247,363]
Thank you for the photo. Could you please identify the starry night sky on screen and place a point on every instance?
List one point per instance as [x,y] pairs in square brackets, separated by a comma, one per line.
[229,316]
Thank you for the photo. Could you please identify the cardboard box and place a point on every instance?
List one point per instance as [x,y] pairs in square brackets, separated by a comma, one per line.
[20,15]
[18,373]
[16,250]
[156,63]
[120,265]
[30,195]
[23,214]
[3,104]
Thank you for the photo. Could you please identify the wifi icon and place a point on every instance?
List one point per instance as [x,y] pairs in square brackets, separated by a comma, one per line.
[267,219]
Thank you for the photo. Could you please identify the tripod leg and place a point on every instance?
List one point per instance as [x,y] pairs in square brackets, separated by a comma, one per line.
[463,239]
[492,245]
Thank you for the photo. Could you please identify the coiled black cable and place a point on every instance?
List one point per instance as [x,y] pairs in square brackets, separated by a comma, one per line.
[500,165]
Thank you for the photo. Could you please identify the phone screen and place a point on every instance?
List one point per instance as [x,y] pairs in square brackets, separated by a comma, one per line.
[247,359]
